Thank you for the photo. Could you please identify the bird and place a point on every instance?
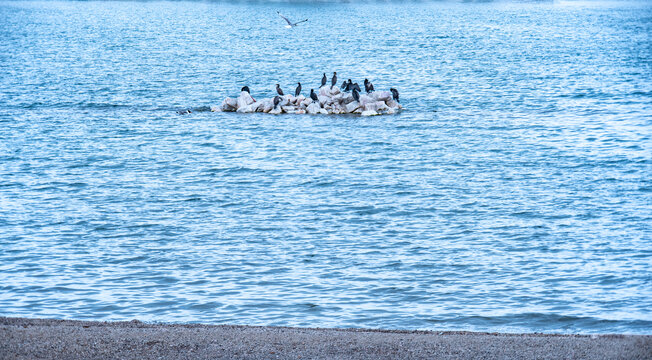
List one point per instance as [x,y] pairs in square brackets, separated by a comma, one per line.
[349,86]
[356,95]
[368,86]
[323,80]
[245,88]
[356,87]
[290,23]
[277,100]
[298,90]
[313,95]
[278,90]
[334,79]
[394,94]
[343,85]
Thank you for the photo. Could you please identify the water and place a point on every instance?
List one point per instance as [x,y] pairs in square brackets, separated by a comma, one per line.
[513,194]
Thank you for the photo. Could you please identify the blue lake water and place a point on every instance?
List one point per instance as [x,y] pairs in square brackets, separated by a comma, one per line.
[513,194]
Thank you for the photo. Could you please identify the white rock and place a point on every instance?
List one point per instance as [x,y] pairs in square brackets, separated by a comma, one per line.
[313,108]
[276,111]
[323,111]
[244,99]
[300,111]
[392,103]
[289,109]
[246,109]
[324,91]
[216,108]
[268,106]
[229,104]
[377,106]
[306,102]
[347,98]
[369,113]
[352,106]
[391,111]
[323,100]
[382,95]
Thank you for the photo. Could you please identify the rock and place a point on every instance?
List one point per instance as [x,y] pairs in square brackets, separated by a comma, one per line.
[330,101]
[324,91]
[313,108]
[229,104]
[276,111]
[369,113]
[337,109]
[347,98]
[352,106]
[269,105]
[244,99]
[364,99]
[382,95]
[246,109]
[375,106]
[306,102]
[392,103]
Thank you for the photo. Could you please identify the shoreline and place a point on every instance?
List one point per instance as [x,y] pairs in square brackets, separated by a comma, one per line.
[24,338]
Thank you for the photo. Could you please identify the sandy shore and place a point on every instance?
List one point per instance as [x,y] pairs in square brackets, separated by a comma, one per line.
[64,339]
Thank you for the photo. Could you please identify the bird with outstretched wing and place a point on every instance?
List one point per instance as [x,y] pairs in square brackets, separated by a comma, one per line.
[290,23]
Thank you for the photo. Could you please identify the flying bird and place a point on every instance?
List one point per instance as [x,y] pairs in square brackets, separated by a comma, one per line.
[290,23]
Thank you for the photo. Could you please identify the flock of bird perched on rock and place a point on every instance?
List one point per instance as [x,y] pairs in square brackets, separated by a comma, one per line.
[346,99]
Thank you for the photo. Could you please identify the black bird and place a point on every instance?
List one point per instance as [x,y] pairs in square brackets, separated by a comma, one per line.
[245,88]
[344,83]
[371,88]
[278,90]
[313,95]
[298,90]
[394,94]
[349,86]
[366,85]
[334,79]
[323,80]
[277,100]
[356,95]
[356,87]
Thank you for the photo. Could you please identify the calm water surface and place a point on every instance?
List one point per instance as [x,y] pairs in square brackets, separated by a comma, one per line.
[514,193]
